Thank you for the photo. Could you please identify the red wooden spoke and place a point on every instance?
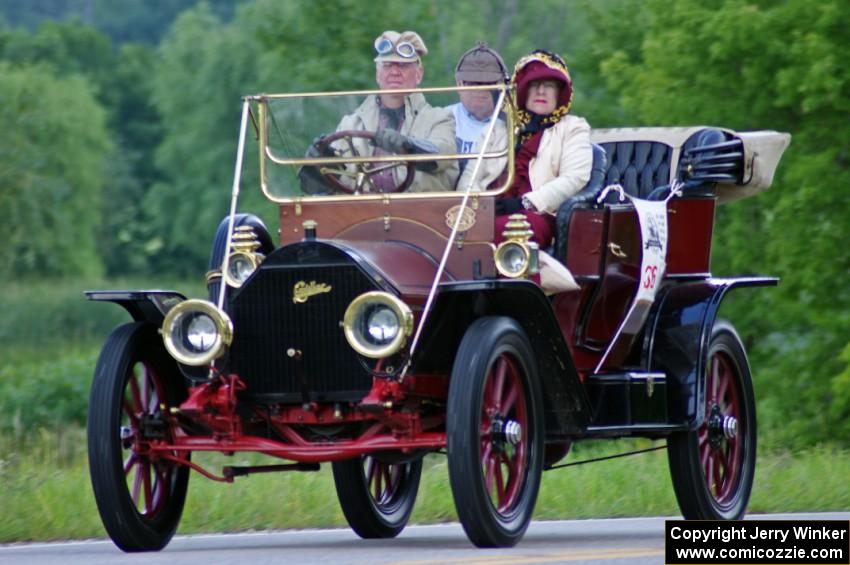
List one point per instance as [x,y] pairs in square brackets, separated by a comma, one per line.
[704,453]
[504,468]
[709,474]
[135,396]
[163,485]
[498,383]
[137,484]
[510,397]
[146,483]
[487,464]
[722,461]
[500,485]
[720,464]
[723,389]
[370,470]
[715,378]
[129,463]
[389,484]
[146,389]
[131,415]
[376,482]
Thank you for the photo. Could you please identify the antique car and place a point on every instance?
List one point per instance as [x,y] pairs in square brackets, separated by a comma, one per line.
[382,323]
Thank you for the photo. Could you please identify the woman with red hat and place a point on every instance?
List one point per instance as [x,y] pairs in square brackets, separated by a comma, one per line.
[553,153]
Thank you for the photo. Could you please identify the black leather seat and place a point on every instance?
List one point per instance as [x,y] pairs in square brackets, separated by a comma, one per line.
[584,198]
[642,168]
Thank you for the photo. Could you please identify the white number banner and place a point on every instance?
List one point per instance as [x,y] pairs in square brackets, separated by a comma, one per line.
[652,217]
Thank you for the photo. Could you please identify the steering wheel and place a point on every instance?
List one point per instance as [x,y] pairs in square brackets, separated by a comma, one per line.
[364,172]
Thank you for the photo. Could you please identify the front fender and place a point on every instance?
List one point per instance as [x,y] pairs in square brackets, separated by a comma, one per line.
[677,338]
[143,305]
[459,304]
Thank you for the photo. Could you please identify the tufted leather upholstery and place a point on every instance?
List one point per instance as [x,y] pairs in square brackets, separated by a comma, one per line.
[643,169]
[639,166]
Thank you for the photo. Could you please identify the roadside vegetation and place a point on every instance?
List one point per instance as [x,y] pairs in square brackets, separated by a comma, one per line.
[116,155]
[45,479]
[54,337]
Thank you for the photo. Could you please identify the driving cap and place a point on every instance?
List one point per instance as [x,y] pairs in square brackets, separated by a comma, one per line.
[395,46]
[481,64]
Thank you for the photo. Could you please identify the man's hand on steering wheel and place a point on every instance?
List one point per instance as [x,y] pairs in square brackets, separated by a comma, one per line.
[319,149]
[358,175]
[392,141]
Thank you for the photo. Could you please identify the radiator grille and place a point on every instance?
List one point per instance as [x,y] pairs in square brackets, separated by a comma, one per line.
[267,322]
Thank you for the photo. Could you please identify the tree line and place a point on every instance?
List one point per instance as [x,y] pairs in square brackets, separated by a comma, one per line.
[120,126]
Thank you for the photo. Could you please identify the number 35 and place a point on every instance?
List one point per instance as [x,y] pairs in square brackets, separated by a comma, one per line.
[650,272]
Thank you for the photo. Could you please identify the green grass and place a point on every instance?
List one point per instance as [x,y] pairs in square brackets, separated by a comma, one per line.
[50,337]
[46,482]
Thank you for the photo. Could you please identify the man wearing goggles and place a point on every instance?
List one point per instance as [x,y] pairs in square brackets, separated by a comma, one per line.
[404,123]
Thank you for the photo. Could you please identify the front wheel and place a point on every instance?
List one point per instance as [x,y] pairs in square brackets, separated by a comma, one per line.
[712,467]
[376,496]
[495,432]
[139,496]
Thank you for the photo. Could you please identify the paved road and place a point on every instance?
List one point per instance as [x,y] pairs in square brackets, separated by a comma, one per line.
[628,541]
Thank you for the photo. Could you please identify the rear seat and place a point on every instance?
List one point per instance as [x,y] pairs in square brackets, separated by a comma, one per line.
[643,169]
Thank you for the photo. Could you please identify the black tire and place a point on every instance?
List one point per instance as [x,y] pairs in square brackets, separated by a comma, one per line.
[495,474]
[144,516]
[709,451]
[376,496]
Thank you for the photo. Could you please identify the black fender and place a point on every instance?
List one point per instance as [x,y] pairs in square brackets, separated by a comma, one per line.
[676,341]
[567,408]
[143,305]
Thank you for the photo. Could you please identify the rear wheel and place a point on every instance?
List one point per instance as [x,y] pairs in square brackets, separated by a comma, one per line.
[495,432]
[139,496]
[376,496]
[712,467]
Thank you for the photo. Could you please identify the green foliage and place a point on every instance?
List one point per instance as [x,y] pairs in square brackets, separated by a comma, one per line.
[52,148]
[39,393]
[204,68]
[124,21]
[764,65]
[119,156]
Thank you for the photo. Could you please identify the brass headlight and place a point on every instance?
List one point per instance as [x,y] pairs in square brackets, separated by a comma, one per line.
[196,332]
[244,259]
[240,266]
[517,256]
[377,324]
[512,259]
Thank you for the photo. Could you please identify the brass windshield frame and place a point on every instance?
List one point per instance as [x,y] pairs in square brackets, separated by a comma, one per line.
[266,156]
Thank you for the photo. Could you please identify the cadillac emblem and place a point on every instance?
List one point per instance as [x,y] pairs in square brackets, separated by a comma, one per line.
[304,290]
[467,219]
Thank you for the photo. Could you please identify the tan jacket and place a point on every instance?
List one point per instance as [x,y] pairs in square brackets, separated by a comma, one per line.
[421,120]
[560,169]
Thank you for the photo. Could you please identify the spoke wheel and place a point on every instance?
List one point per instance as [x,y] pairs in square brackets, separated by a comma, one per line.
[495,432]
[712,468]
[376,496]
[140,497]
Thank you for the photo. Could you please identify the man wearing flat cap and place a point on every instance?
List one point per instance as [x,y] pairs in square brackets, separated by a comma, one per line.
[479,66]
[404,123]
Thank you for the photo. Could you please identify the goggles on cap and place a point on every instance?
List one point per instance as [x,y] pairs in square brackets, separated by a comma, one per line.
[404,48]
